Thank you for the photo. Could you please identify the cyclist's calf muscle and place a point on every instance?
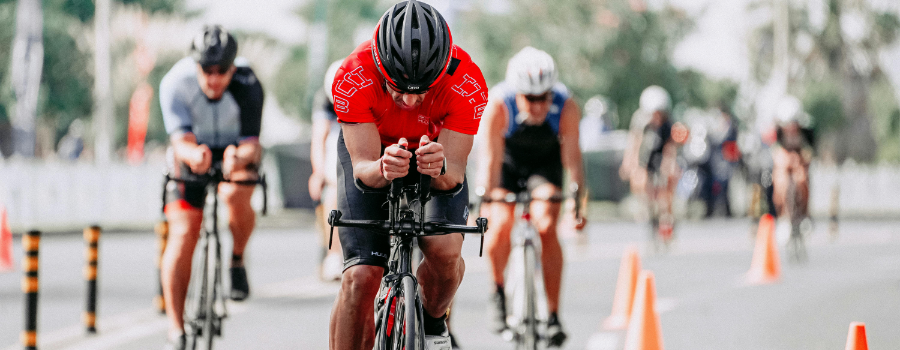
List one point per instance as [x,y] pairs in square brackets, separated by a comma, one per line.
[352,323]
[441,272]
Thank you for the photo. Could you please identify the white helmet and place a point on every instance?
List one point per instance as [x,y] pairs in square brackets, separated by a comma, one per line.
[329,78]
[531,71]
[655,98]
[789,109]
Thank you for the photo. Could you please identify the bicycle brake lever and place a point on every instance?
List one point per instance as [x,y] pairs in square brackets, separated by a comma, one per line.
[265,191]
[482,226]
[334,216]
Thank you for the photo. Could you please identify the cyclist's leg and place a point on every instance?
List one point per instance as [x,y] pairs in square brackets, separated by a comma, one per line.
[184,212]
[442,268]
[545,217]
[780,179]
[800,174]
[497,244]
[241,221]
[184,227]
[241,217]
[440,272]
[501,218]
[352,324]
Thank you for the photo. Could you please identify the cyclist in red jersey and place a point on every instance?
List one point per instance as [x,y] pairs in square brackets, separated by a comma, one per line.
[409,86]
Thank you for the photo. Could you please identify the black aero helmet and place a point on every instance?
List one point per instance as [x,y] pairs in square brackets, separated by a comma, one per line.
[214,46]
[412,46]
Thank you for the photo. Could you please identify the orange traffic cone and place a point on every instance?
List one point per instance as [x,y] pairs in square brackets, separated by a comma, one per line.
[856,338]
[628,278]
[6,259]
[644,329]
[765,267]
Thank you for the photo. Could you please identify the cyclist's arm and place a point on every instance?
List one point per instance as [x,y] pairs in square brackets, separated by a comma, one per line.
[669,162]
[630,154]
[568,140]
[320,129]
[248,152]
[364,145]
[186,149]
[456,151]
[493,128]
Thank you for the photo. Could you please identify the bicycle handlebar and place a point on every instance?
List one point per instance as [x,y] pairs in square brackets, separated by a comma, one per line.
[526,198]
[410,227]
[215,176]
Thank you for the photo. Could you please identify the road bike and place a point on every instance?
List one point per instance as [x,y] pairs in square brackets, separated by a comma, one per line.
[205,306]
[662,220]
[526,323]
[398,306]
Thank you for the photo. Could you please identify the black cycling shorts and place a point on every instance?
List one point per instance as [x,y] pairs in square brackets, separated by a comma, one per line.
[364,247]
[517,178]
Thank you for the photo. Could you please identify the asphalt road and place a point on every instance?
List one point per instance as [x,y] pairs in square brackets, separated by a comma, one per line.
[701,296]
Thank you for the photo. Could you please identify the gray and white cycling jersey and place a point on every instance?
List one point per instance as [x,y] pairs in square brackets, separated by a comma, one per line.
[216,123]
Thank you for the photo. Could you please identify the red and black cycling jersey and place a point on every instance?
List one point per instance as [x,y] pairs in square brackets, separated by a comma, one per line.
[456,102]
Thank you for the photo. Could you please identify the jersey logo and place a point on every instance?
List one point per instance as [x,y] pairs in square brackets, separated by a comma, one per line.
[479,110]
[423,119]
[352,82]
[341,105]
[467,87]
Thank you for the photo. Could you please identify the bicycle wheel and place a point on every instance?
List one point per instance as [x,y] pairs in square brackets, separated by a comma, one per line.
[527,337]
[400,323]
[195,312]
[211,326]
[412,338]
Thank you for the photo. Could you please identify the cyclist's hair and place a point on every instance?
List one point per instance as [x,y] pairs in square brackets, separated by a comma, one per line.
[412,46]
[214,46]
[531,71]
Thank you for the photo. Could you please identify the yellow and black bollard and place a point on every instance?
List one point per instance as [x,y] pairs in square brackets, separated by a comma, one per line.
[91,238]
[162,232]
[30,242]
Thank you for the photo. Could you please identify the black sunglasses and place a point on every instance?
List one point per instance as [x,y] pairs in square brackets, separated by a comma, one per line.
[538,98]
[214,69]
[403,91]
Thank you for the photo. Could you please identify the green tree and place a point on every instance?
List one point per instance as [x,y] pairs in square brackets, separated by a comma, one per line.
[66,80]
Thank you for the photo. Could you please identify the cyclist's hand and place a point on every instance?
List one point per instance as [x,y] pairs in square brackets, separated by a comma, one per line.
[429,157]
[395,161]
[580,222]
[316,182]
[201,160]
